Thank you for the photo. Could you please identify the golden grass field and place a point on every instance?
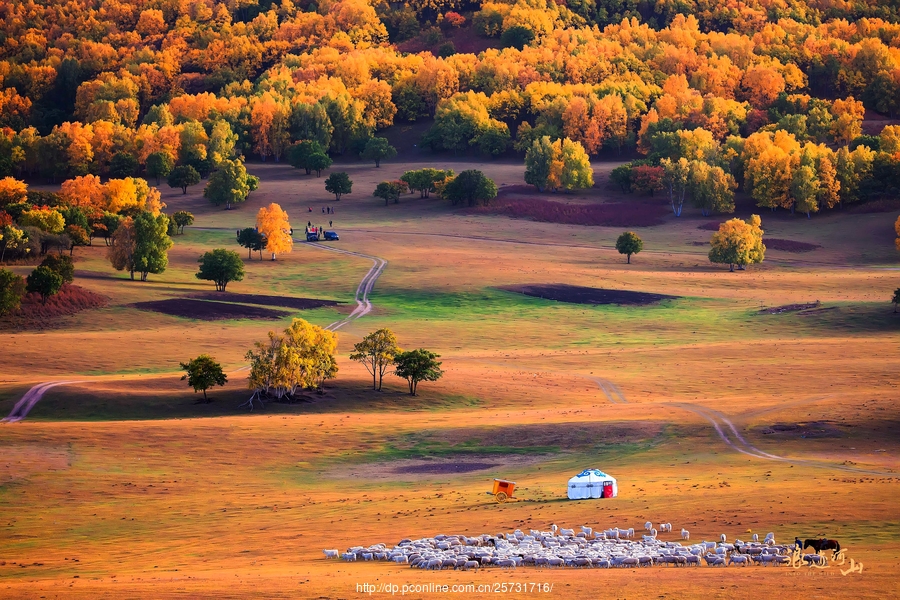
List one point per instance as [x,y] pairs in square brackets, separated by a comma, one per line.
[123,485]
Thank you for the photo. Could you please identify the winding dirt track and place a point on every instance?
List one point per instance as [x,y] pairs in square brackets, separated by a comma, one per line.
[363,304]
[363,307]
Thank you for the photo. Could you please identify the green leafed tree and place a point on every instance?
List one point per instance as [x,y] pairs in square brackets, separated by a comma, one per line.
[44,281]
[417,365]
[470,187]
[318,162]
[159,164]
[378,149]
[12,289]
[183,177]
[629,243]
[151,244]
[62,265]
[538,162]
[182,219]
[338,183]
[252,240]
[376,352]
[230,185]
[123,165]
[390,190]
[203,373]
[621,176]
[221,267]
[308,155]
[712,189]
[423,180]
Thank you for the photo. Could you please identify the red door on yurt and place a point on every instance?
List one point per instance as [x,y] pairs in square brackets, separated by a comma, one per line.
[607,489]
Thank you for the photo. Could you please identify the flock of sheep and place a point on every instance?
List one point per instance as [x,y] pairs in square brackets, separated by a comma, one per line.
[565,547]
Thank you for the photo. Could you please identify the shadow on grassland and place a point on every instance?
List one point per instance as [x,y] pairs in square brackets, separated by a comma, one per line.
[170,398]
[847,318]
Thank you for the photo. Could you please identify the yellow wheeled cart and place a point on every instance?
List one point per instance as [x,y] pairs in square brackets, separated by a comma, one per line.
[503,490]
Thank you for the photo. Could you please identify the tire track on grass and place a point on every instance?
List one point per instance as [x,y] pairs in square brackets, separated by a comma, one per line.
[363,307]
[734,440]
[363,304]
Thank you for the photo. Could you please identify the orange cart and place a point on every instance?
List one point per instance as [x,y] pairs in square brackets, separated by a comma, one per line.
[503,490]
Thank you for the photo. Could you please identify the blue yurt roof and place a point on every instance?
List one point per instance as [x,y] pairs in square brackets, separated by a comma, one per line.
[594,472]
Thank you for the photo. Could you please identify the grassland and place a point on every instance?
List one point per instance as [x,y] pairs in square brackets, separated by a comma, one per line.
[157,495]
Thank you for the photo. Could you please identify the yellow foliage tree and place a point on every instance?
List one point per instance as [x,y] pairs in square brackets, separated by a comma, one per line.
[120,194]
[272,221]
[738,243]
[301,358]
[12,191]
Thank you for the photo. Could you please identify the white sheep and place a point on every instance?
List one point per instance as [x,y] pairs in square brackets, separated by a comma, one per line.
[587,530]
[722,538]
[685,534]
[567,532]
[653,533]
[331,553]
[648,525]
[755,537]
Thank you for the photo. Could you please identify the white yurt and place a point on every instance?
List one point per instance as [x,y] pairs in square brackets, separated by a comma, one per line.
[592,483]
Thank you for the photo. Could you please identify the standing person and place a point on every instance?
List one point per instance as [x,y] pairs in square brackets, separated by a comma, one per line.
[330,224]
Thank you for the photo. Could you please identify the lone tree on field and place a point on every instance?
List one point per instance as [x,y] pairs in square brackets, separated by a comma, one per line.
[378,149]
[12,288]
[182,177]
[738,243]
[390,190]
[182,219]
[231,184]
[338,183]
[301,358]
[376,352]
[629,243]
[44,281]
[203,372]
[252,240]
[221,266]
[896,298]
[272,222]
[417,365]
